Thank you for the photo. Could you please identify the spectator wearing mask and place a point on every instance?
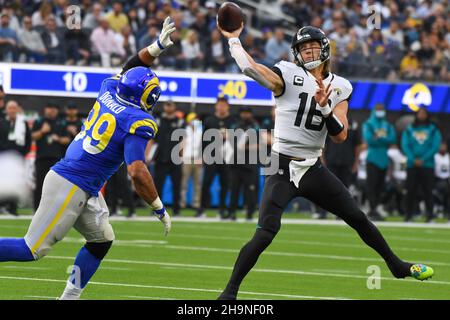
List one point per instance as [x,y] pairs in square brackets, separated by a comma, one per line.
[192,160]
[168,122]
[420,142]
[442,174]
[378,134]
[221,120]
[51,137]
[15,136]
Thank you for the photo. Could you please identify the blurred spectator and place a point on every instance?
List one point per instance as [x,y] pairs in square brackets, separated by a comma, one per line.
[190,15]
[216,58]
[18,136]
[211,14]
[377,53]
[192,160]
[395,187]
[40,17]
[134,21]
[2,103]
[168,122]
[342,39]
[200,25]
[442,174]
[92,19]
[119,188]
[149,37]
[51,137]
[394,35]
[78,47]
[31,42]
[221,120]
[8,40]
[410,66]
[15,136]
[13,19]
[244,176]
[378,134]
[277,48]
[54,42]
[254,47]
[104,43]
[116,18]
[73,122]
[173,56]
[127,41]
[420,142]
[192,51]
[342,158]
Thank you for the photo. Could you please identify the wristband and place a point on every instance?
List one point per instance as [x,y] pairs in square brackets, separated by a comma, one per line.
[334,125]
[155,48]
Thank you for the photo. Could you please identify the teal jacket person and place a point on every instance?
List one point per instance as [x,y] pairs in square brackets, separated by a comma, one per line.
[421,141]
[379,134]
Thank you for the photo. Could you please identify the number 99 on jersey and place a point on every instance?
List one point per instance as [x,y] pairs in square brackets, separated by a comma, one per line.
[233,89]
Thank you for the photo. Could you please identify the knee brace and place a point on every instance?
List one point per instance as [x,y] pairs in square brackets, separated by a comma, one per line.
[98,250]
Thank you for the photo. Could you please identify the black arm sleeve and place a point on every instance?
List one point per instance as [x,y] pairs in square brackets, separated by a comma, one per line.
[134,61]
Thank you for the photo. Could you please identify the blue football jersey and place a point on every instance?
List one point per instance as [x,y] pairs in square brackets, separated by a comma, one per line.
[111,134]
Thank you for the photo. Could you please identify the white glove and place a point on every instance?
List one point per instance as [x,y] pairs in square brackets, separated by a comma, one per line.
[163,41]
[164,217]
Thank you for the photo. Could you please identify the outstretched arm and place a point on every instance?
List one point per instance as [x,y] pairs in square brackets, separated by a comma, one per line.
[258,72]
[146,56]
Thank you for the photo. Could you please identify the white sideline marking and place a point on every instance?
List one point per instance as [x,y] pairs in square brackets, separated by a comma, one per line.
[433,225]
[179,288]
[202,266]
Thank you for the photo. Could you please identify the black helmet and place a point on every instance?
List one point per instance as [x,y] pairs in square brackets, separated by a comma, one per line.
[307,34]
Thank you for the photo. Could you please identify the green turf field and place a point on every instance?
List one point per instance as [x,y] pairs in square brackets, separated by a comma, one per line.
[195,261]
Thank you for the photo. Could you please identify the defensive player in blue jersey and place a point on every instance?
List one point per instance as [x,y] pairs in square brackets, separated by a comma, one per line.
[116,130]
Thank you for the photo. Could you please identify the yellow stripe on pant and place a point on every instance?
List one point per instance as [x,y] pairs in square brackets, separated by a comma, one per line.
[55,219]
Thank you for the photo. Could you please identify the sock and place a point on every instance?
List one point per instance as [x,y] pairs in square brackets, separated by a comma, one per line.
[370,234]
[86,264]
[246,260]
[14,249]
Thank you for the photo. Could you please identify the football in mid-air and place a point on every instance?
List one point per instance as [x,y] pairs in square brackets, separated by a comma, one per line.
[230,16]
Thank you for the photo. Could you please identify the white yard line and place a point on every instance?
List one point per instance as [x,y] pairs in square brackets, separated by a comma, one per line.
[178,288]
[268,253]
[215,267]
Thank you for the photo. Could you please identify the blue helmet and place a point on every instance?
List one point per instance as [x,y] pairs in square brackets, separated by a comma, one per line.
[139,87]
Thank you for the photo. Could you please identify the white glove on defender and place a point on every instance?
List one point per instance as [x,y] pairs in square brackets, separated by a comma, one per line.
[163,41]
